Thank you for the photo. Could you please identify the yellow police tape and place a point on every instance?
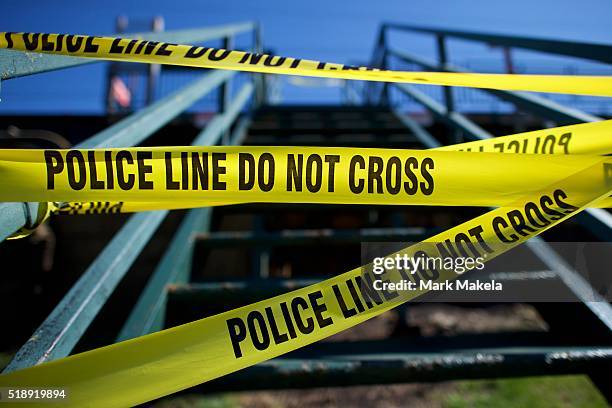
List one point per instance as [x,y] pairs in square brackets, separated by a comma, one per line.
[135,50]
[588,138]
[149,367]
[280,174]
[533,194]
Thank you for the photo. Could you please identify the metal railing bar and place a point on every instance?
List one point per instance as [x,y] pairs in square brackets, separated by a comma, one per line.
[148,314]
[127,132]
[222,122]
[311,236]
[59,333]
[555,262]
[62,329]
[441,365]
[573,280]
[419,131]
[454,119]
[240,130]
[578,49]
[547,108]
[15,64]
[600,219]
[138,126]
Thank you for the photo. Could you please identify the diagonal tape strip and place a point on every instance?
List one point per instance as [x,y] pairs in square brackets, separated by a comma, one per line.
[152,52]
[159,364]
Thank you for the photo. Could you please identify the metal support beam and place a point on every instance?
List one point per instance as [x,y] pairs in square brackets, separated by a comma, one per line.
[154,70]
[578,49]
[406,367]
[231,292]
[148,314]
[62,329]
[455,119]
[221,123]
[127,132]
[449,99]
[225,91]
[140,125]
[313,237]
[531,103]
[442,61]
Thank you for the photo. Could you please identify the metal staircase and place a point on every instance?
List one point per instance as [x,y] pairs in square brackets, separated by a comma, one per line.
[224,257]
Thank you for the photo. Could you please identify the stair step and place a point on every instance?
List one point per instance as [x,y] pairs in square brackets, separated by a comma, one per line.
[404,360]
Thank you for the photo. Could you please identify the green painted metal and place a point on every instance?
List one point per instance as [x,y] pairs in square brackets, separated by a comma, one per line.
[15,64]
[222,122]
[127,132]
[140,125]
[312,237]
[358,140]
[59,333]
[572,279]
[14,216]
[374,369]
[63,328]
[244,290]
[535,104]
[454,119]
[586,50]
[148,314]
[241,129]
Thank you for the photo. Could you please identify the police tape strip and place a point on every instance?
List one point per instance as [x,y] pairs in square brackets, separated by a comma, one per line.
[325,175]
[587,138]
[593,138]
[155,365]
[138,50]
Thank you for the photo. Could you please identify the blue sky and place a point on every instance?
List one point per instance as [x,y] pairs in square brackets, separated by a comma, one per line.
[338,31]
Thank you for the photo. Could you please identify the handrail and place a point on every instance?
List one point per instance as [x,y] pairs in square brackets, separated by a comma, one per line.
[14,64]
[138,126]
[62,329]
[455,119]
[578,49]
[598,222]
[60,332]
[128,132]
[547,108]
[599,306]
[134,129]
[146,316]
